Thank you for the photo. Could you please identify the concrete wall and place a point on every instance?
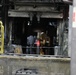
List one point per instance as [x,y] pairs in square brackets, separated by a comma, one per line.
[32,65]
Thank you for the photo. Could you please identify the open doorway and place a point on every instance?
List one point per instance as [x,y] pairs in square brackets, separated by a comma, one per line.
[45,30]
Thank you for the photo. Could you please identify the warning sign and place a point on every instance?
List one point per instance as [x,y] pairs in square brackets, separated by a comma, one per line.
[74,17]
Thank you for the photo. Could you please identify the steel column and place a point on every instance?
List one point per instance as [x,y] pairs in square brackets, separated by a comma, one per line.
[5,16]
[70,30]
[73,40]
[10,31]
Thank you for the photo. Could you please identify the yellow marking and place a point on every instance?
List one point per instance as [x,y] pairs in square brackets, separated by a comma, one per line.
[1,38]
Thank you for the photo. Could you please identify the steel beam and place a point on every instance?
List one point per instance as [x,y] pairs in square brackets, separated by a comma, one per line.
[43,1]
[43,15]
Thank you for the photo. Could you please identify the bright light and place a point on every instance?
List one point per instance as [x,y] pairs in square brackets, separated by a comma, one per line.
[50,23]
[28,23]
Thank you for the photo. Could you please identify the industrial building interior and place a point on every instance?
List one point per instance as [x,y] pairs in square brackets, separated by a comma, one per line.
[22,28]
[46,22]
[37,37]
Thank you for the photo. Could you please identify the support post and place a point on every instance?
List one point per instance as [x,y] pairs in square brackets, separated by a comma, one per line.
[70,30]
[5,17]
[73,40]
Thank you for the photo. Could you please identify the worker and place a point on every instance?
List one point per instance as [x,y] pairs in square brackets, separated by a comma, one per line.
[37,42]
[30,43]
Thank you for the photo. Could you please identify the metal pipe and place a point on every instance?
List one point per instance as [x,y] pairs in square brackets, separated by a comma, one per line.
[10,33]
